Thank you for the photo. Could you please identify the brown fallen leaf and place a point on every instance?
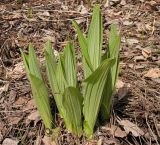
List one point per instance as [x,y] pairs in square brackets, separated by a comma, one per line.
[34,116]
[30,105]
[13,120]
[153,73]
[130,127]
[132,41]
[17,72]
[9,141]
[48,141]
[118,132]
[122,89]
[115,131]
[21,101]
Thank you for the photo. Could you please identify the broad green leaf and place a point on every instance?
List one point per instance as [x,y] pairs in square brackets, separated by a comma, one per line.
[60,74]
[95,35]
[114,48]
[51,68]
[72,102]
[113,52]
[33,63]
[40,94]
[39,89]
[70,65]
[94,86]
[87,66]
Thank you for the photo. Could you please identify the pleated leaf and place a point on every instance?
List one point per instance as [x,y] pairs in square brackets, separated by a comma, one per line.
[51,68]
[95,35]
[94,86]
[33,62]
[39,89]
[72,102]
[41,97]
[70,65]
[61,76]
[113,52]
[87,66]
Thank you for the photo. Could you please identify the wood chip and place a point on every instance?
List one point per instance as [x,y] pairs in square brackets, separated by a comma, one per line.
[146,52]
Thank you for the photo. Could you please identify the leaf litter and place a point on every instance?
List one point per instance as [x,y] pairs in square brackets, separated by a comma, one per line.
[140,82]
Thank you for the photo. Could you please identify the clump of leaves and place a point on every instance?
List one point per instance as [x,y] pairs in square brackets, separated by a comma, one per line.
[39,89]
[79,107]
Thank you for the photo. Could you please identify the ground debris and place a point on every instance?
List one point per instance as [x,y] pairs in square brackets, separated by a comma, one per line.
[138,23]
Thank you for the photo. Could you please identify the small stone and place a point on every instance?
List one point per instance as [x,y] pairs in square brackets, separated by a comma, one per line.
[9,141]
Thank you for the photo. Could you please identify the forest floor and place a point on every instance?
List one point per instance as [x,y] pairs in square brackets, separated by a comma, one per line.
[135,117]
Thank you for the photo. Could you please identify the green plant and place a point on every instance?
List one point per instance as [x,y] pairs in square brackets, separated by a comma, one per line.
[39,89]
[92,59]
[30,12]
[78,106]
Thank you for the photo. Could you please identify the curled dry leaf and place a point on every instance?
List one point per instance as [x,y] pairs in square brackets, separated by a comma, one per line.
[17,72]
[153,73]
[130,127]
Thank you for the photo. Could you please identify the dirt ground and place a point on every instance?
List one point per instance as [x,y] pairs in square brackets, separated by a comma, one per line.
[135,117]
